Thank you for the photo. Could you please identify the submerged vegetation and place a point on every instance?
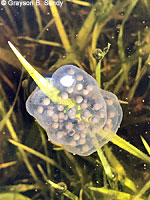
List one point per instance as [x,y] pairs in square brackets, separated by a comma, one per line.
[50,37]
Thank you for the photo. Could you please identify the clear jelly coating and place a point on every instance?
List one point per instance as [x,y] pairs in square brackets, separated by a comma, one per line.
[93,120]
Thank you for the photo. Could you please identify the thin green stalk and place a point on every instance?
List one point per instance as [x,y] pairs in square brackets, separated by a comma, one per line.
[45,28]
[119,169]
[38,15]
[101,55]
[139,75]
[142,191]
[146,145]
[97,29]
[106,165]
[114,193]
[121,52]
[11,18]
[44,42]
[7,116]
[45,179]
[113,79]
[130,148]
[81,3]
[60,27]
[44,142]
[42,172]
[86,28]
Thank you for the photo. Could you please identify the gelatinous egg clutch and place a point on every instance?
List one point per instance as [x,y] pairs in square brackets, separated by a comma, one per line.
[94,118]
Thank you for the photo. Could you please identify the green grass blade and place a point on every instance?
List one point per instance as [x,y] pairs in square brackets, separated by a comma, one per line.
[142,191]
[60,27]
[147,147]
[13,196]
[107,167]
[8,164]
[113,193]
[38,15]
[7,116]
[44,42]
[130,148]
[19,187]
[47,88]
[121,52]
[119,169]
[101,55]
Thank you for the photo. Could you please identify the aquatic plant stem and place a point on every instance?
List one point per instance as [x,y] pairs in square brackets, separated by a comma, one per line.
[38,15]
[121,52]
[60,27]
[130,148]
[98,67]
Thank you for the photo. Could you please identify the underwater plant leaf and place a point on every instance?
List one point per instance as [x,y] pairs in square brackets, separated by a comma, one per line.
[105,10]
[38,15]
[87,27]
[82,3]
[19,188]
[45,146]
[11,18]
[120,142]
[47,88]
[113,193]
[8,57]
[98,73]
[49,43]
[142,191]
[60,27]
[139,76]
[46,27]
[13,196]
[146,145]
[113,79]
[98,67]
[121,51]
[118,169]
[7,116]
[42,172]
[8,164]
[63,188]
[107,167]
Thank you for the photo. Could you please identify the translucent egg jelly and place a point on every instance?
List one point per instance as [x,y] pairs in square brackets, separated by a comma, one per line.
[94,118]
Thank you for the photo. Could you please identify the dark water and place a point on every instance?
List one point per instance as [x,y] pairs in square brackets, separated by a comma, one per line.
[68,33]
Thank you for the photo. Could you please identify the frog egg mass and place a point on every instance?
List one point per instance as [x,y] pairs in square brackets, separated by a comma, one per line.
[94,118]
